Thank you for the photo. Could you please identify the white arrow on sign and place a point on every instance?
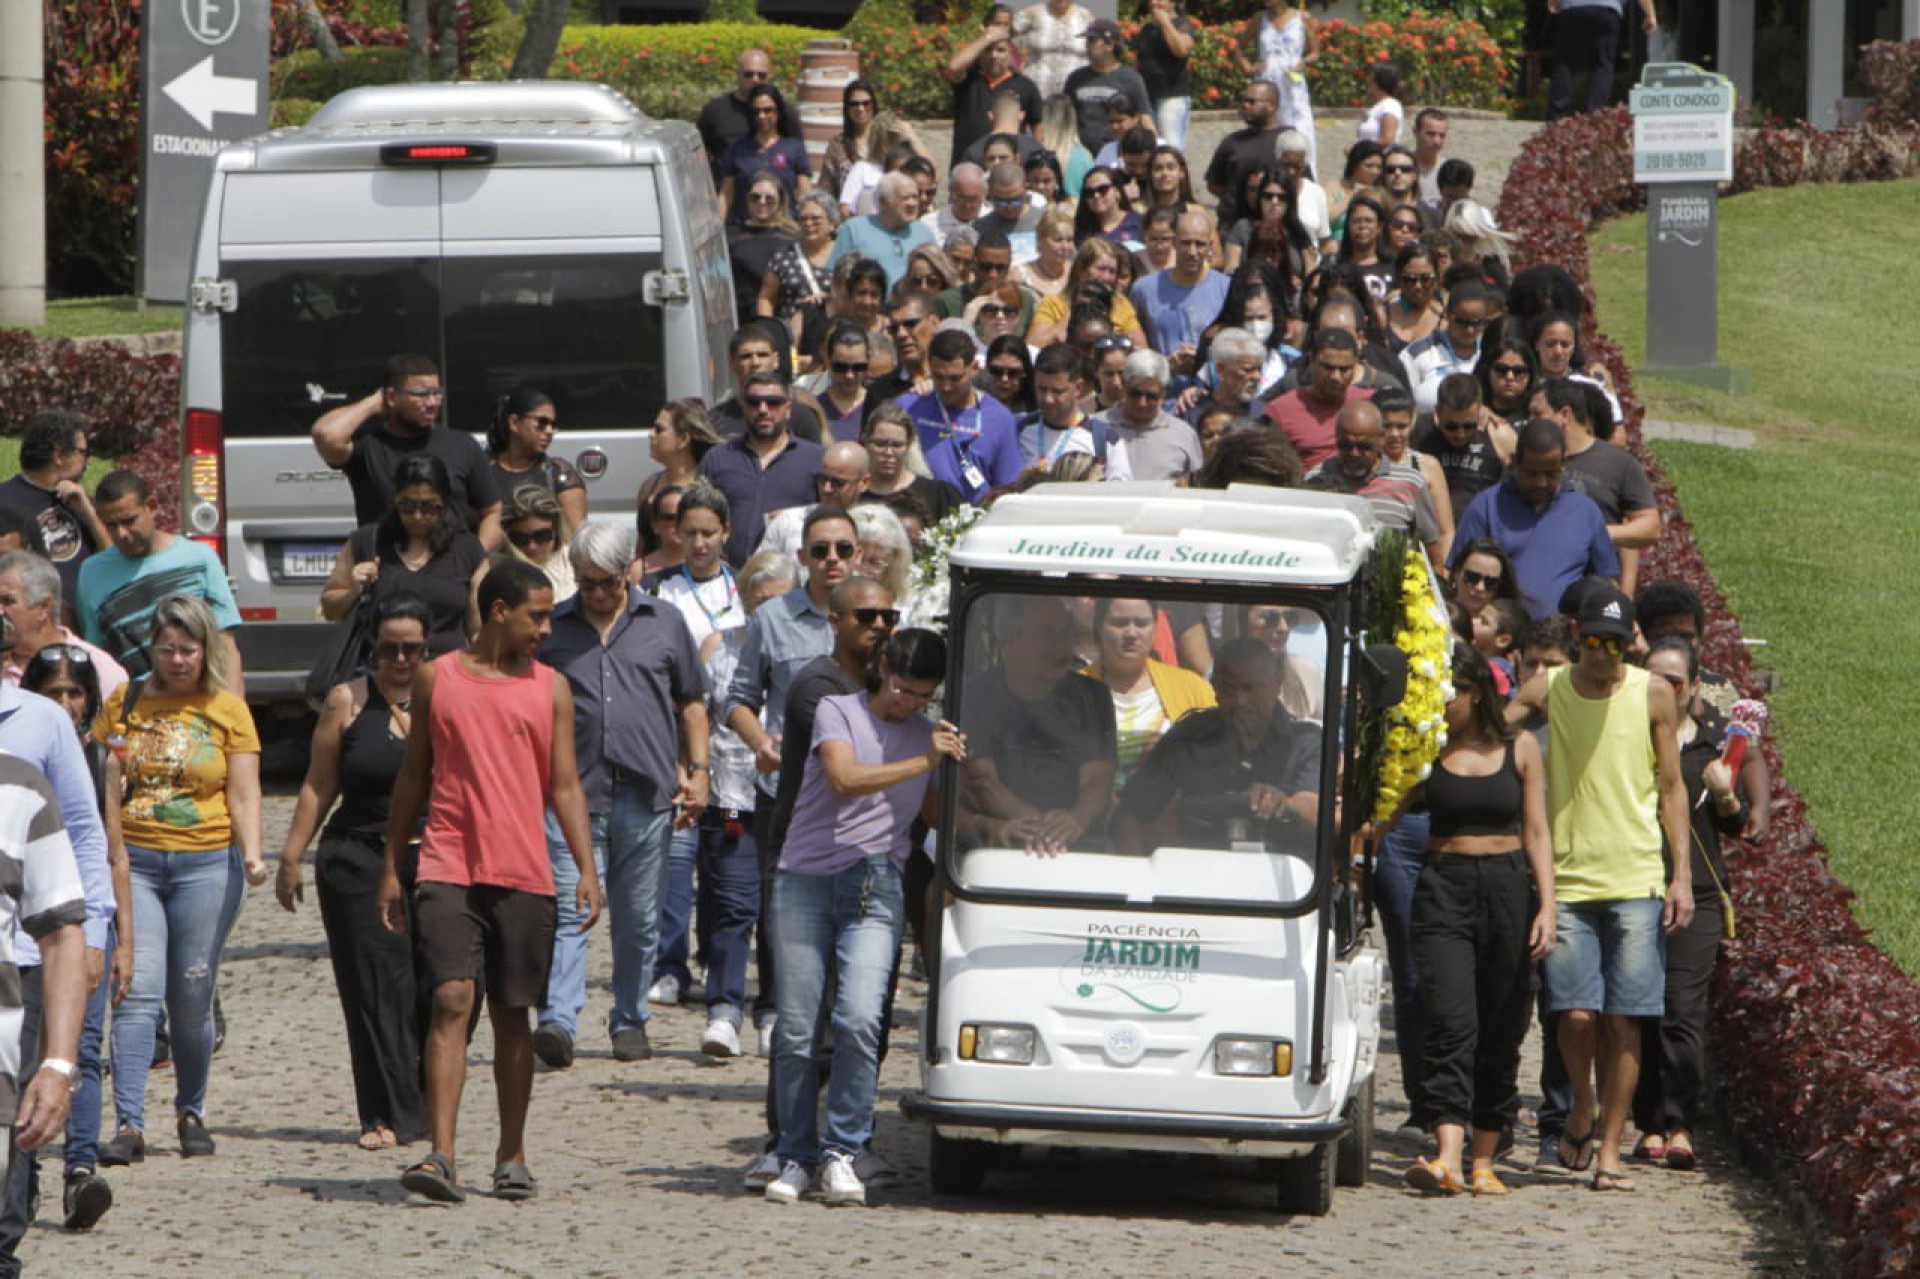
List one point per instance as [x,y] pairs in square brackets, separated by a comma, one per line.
[201,93]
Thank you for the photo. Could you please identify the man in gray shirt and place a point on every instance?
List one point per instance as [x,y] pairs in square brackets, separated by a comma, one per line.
[1144,441]
[1102,78]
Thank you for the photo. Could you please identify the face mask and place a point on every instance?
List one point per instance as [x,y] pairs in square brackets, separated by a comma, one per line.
[1261,329]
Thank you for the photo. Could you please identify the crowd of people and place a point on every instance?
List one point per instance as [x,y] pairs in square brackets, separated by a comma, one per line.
[706,715]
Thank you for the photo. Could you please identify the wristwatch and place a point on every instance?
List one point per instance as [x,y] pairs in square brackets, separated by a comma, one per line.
[698,768]
[63,1068]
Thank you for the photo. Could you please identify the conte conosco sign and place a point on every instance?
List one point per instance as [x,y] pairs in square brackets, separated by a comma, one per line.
[1682,125]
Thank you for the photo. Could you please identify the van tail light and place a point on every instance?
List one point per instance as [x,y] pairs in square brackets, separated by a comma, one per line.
[203,486]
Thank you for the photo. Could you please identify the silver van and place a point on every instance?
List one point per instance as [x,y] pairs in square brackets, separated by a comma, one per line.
[540,233]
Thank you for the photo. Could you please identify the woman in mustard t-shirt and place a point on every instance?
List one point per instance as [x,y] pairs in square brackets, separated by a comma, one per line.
[191,759]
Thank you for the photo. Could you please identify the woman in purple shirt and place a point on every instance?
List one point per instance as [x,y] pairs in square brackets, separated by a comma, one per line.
[768,148]
[838,905]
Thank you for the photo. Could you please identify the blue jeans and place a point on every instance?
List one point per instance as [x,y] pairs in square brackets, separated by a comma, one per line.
[83,1119]
[184,904]
[1170,119]
[630,854]
[845,926]
[1609,957]
[1396,870]
[729,900]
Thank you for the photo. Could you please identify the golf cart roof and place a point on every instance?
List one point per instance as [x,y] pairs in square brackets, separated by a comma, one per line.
[1292,537]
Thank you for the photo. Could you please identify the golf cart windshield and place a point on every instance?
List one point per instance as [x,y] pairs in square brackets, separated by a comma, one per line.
[1145,742]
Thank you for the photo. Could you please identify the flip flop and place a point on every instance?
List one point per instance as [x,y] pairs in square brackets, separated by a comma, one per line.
[1604,1180]
[1682,1158]
[1430,1176]
[433,1178]
[1582,1149]
[1485,1181]
[1651,1148]
[514,1182]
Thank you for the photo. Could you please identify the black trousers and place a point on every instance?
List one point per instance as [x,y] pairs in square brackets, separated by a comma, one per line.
[22,1173]
[1585,39]
[1470,921]
[1673,1053]
[379,993]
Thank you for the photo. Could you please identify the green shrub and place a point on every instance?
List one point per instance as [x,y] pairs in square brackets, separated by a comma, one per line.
[671,71]
[289,112]
[307,75]
[93,144]
[1443,59]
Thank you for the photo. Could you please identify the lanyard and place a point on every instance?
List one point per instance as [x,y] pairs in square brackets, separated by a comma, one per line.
[1066,434]
[733,595]
[954,429]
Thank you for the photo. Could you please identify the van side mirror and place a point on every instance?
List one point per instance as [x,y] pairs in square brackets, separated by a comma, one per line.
[1383,677]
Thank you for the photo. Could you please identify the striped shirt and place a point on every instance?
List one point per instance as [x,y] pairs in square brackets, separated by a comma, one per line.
[39,891]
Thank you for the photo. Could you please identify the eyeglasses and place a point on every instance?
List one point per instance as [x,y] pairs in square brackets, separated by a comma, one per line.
[876,616]
[860,104]
[762,197]
[1398,168]
[1594,643]
[898,690]
[392,651]
[1005,371]
[745,74]
[1008,201]
[763,401]
[523,538]
[1508,370]
[1485,581]
[850,367]
[177,652]
[825,481]
[1273,195]
[819,551]
[996,268]
[1463,322]
[72,654]
[1404,224]
[1144,395]
[999,308]
[759,111]
[586,583]
[544,423]
[425,393]
[1113,342]
[905,326]
[1425,277]
[413,506]
[1105,188]
[923,281]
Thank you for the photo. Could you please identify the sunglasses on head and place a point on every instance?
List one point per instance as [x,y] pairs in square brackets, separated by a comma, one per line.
[1594,643]
[523,538]
[819,551]
[392,651]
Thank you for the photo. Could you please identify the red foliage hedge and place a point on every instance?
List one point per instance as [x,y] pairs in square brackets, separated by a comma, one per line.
[1816,1031]
[132,402]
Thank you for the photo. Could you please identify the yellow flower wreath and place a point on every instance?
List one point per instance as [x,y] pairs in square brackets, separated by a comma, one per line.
[1417,727]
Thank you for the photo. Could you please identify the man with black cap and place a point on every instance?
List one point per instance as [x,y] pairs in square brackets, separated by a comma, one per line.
[1613,792]
[1102,78]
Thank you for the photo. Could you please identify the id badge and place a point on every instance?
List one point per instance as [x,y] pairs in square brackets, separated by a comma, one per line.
[970,472]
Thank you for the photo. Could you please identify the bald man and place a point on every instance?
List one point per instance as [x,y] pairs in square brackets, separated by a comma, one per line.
[1359,466]
[844,475]
[1176,305]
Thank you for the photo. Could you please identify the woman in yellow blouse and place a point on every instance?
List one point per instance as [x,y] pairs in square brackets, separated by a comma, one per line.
[191,758]
[1149,696]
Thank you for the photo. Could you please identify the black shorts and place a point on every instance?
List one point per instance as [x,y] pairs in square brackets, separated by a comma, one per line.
[466,932]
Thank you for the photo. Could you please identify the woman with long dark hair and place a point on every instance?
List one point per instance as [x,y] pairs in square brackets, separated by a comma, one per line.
[416,548]
[859,105]
[1412,311]
[358,746]
[767,148]
[1507,371]
[1104,211]
[518,442]
[1362,240]
[1008,373]
[682,434]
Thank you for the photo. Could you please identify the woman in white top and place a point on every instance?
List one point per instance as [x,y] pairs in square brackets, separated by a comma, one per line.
[1278,45]
[1384,115]
[703,587]
[1053,35]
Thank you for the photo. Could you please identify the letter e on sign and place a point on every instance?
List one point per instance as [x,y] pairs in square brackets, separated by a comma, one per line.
[211,22]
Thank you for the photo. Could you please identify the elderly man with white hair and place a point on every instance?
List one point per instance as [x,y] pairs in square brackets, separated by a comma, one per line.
[641,741]
[1294,153]
[1144,441]
[966,201]
[889,235]
[30,601]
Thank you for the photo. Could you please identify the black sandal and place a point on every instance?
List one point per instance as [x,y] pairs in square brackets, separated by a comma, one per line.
[433,1177]
[513,1182]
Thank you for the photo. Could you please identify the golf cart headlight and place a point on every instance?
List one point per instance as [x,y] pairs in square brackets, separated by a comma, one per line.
[1252,1057]
[1006,1045]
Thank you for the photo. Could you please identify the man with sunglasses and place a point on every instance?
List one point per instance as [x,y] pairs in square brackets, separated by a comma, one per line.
[1010,214]
[782,637]
[1244,150]
[911,322]
[369,438]
[1554,534]
[729,117]
[1453,348]
[54,449]
[1471,446]
[751,350]
[644,768]
[1614,794]
[764,471]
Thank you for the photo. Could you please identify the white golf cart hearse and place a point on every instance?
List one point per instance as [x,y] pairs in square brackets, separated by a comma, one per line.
[1187,976]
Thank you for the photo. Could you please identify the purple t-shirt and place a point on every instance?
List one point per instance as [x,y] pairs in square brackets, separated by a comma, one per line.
[829,833]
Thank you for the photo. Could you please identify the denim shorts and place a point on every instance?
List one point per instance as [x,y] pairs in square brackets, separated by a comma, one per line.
[1609,957]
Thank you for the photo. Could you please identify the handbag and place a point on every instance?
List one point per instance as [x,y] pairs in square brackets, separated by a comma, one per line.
[344,653]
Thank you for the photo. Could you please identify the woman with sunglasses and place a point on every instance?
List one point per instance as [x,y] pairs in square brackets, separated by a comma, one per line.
[518,441]
[1149,695]
[358,746]
[1096,262]
[1403,228]
[192,825]
[681,436]
[69,674]
[766,230]
[661,517]
[929,270]
[1272,230]
[1412,312]
[995,315]
[1484,574]
[859,107]
[848,366]
[1008,373]
[539,533]
[1104,212]
[768,148]
[1507,373]
[418,549]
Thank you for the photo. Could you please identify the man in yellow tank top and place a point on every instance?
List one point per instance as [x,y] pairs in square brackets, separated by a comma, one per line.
[1613,793]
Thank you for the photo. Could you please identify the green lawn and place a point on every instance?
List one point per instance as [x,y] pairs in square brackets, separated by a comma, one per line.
[1815,535]
[106,317]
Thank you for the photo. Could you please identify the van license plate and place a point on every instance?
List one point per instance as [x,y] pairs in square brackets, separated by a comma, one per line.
[307,560]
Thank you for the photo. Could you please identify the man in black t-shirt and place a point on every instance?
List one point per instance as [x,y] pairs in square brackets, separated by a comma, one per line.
[980,70]
[369,438]
[54,449]
[749,351]
[1244,150]
[727,118]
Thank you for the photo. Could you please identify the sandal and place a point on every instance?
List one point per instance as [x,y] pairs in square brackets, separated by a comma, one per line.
[513,1182]
[433,1177]
[1485,1181]
[1433,1177]
[1651,1148]
[1681,1158]
[1577,1152]
[1604,1180]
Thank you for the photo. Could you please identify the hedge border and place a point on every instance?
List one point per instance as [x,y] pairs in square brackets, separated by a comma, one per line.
[1816,1031]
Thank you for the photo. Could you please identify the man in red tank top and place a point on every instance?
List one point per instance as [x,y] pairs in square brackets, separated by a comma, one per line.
[491,749]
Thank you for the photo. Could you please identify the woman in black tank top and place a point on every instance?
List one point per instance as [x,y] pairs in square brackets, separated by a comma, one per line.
[1475,931]
[358,748]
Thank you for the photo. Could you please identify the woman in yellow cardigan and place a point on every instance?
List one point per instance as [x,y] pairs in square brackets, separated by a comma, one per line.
[1149,695]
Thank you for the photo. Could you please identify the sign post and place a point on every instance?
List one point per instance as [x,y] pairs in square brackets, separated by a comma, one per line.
[1683,150]
[203,84]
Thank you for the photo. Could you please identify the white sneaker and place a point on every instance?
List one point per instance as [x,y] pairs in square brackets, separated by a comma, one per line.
[791,1184]
[765,1030]
[665,990]
[721,1040]
[872,1169]
[763,1169]
[839,1182]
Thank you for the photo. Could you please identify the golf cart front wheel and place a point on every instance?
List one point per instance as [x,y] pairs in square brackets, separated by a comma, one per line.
[957,1166]
[1305,1183]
